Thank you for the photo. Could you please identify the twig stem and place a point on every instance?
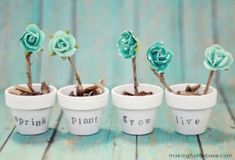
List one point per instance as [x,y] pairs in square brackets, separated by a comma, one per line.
[135,75]
[28,72]
[77,77]
[208,81]
[162,79]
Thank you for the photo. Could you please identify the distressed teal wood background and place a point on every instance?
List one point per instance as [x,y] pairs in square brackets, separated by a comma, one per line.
[186,26]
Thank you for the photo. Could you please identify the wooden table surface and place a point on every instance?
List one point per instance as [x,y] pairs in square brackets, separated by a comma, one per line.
[187,27]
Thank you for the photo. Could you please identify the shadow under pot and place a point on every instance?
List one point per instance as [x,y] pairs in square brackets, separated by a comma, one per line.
[83,114]
[31,114]
[137,113]
[191,113]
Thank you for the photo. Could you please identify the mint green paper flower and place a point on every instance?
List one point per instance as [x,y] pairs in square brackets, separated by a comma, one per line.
[216,58]
[127,45]
[62,44]
[32,38]
[159,58]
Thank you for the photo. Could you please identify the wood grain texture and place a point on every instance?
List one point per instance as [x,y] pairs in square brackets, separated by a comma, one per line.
[35,145]
[15,15]
[108,143]
[164,140]
[156,27]
[96,42]
[227,93]
[186,26]
[56,16]
[98,30]
[7,125]
[159,21]
[219,138]
[224,33]
[197,37]
[18,145]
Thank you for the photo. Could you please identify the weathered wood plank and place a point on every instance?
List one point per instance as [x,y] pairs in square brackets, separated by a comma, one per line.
[7,125]
[98,28]
[35,146]
[164,140]
[197,37]
[15,15]
[113,18]
[225,33]
[159,21]
[56,16]
[29,147]
[228,96]
[219,137]
[97,37]
[109,143]
[154,26]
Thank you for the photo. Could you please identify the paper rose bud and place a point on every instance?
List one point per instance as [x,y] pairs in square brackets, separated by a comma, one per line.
[127,45]
[216,58]
[32,38]
[62,44]
[158,57]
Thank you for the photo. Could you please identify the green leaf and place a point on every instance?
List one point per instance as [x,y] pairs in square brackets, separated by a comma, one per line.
[76,46]
[67,31]
[27,53]
[51,36]
[52,53]
[64,58]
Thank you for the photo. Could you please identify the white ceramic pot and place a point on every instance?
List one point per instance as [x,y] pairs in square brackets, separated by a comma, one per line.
[31,114]
[83,114]
[191,113]
[137,113]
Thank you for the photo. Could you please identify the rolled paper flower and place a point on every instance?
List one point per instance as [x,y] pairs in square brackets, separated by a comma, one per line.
[216,58]
[159,57]
[32,38]
[62,44]
[127,45]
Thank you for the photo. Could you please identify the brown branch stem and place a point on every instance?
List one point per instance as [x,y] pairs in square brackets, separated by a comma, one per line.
[77,77]
[28,72]
[135,76]
[208,82]
[162,80]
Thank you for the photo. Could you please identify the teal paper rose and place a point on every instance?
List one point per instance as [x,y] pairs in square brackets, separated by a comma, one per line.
[216,58]
[32,38]
[127,45]
[62,44]
[159,57]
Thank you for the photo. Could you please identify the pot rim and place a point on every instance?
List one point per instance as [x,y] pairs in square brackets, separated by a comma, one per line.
[114,92]
[37,102]
[190,103]
[54,90]
[82,103]
[137,102]
[211,93]
[59,92]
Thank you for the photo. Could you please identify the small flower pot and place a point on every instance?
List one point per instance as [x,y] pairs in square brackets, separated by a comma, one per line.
[31,114]
[137,113]
[191,113]
[83,114]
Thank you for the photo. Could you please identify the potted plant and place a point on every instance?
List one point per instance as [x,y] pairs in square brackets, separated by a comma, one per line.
[136,103]
[31,103]
[191,103]
[82,104]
